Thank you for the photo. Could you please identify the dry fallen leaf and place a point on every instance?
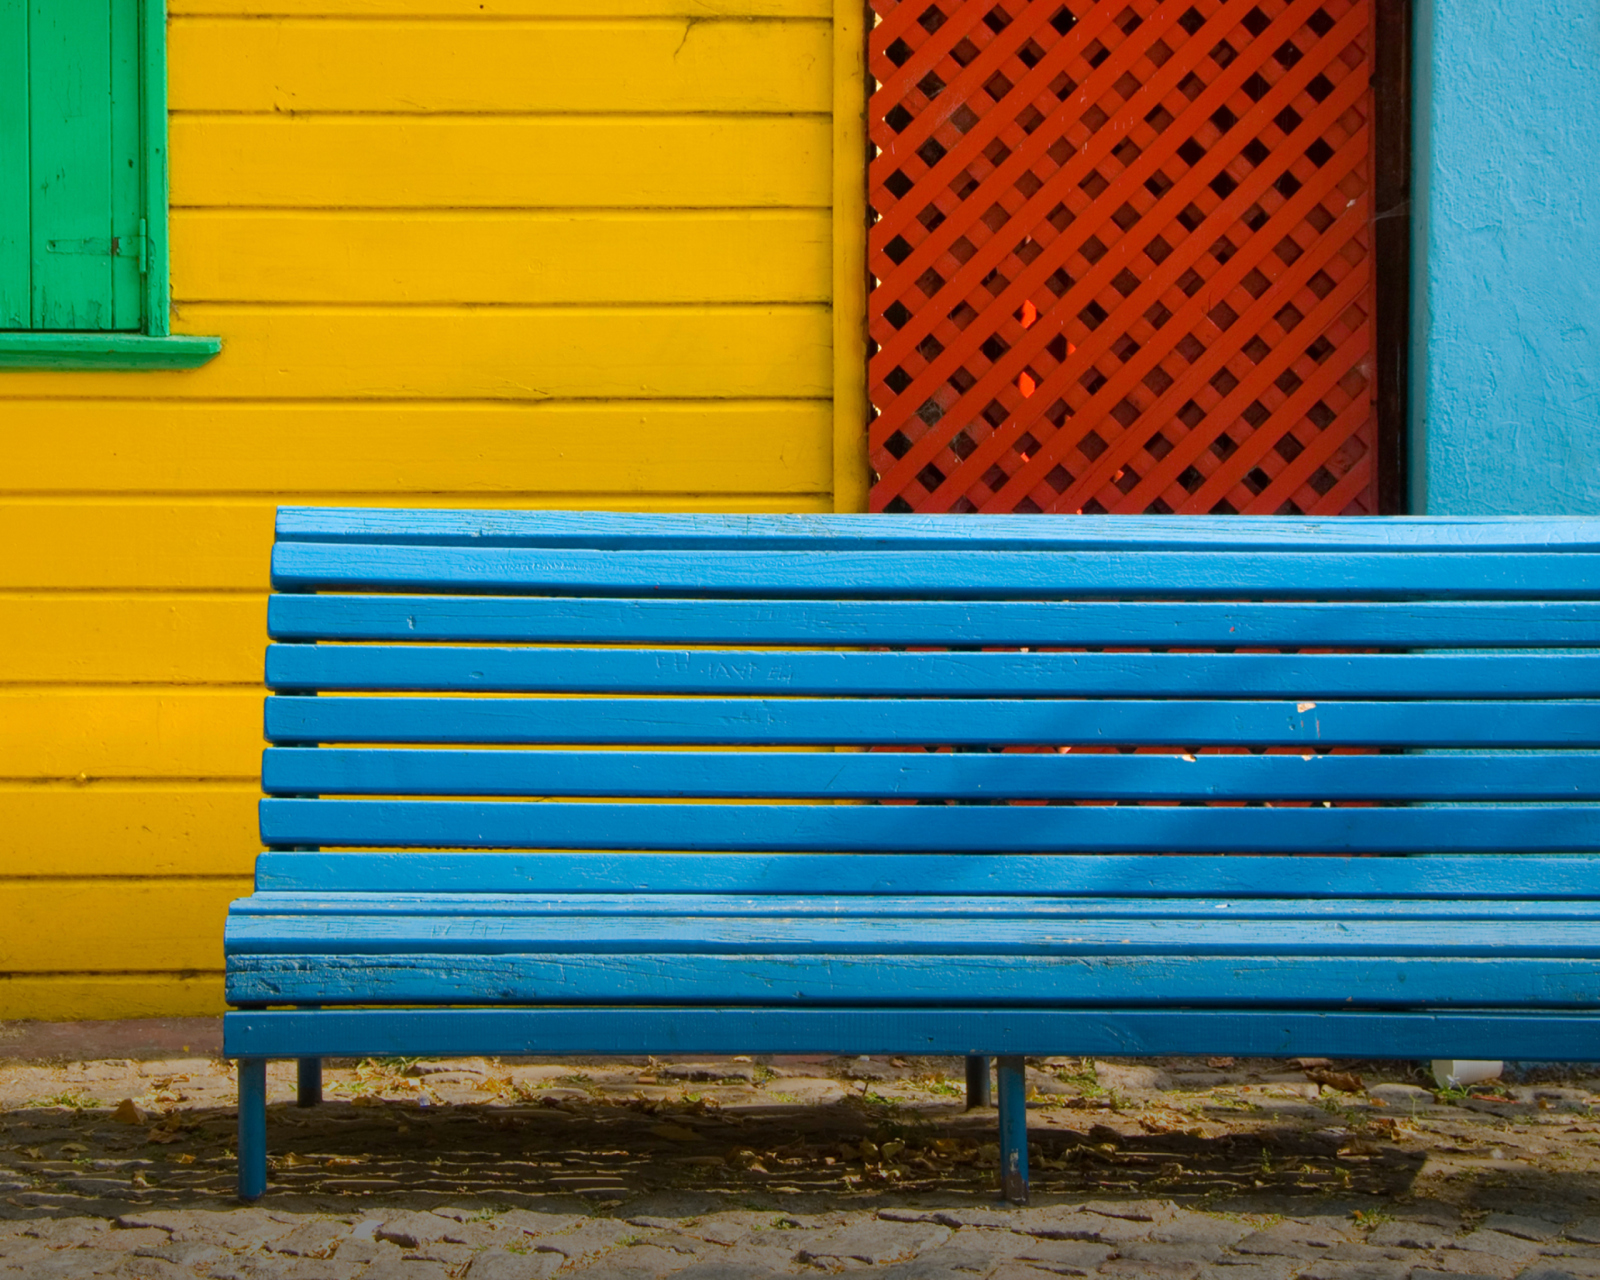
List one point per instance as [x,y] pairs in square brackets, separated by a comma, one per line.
[1344,1081]
[675,1132]
[127,1113]
[73,1146]
[294,1160]
[184,1157]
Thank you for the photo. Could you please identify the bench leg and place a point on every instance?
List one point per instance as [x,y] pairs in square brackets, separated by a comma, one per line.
[308,1092]
[252,1128]
[1013,1129]
[978,1094]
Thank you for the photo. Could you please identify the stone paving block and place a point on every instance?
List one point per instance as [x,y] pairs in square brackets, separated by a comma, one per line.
[1412,1235]
[1477,1263]
[1134,1210]
[136,1268]
[352,1249]
[1021,1271]
[1150,1269]
[874,1243]
[1274,1243]
[128,1241]
[396,1269]
[1585,1231]
[628,1264]
[593,1237]
[1546,1273]
[1522,1226]
[408,1230]
[69,1264]
[1199,1229]
[1061,1223]
[315,1239]
[1152,1251]
[722,1231]
[1426,1273]
[989,1220]
[189,1254]
[1574,1264]
[1356,1251]
[64,1233]
[1065,1257]
[534,1222]
[1497,1244]
[453,1256]
[1256,1268]
[497,1264]
[730,1269]
[1368,1269]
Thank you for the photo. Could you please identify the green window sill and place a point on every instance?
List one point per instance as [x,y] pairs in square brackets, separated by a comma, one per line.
[104,351]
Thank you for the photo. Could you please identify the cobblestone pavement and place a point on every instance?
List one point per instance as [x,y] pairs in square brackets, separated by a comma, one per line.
[734,1168]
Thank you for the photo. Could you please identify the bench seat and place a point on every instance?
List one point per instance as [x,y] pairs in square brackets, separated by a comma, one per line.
[561,783]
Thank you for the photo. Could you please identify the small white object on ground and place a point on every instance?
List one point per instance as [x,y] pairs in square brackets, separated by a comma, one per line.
[1458,1073]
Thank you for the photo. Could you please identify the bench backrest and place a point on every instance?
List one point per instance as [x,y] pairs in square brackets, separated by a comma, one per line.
[464,680]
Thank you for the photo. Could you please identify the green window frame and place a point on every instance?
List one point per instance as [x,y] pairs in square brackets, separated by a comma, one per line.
[84,281]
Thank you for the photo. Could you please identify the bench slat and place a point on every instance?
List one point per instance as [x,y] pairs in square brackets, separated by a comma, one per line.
[604,529]
[929,828]
[988,981]
[873,906]
[1355,575]
[989,675]
[485,932]
[883,1029]
[881,721]
[1453,624]
[970,875]
[920,775]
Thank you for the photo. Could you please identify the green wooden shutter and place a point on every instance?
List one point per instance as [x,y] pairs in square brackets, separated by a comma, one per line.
[71,240]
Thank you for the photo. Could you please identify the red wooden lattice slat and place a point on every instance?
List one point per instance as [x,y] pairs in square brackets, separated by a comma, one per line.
[1121,256]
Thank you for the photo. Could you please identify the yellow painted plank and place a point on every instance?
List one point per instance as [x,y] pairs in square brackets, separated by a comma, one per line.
[107,926]
[130,733]
[398,162]
[78,997]
[406,451]
[488,9]
[128,829]
[177,639]
[70,544]
[200,546]
[851,475]
[733,352]
[468,65]
[289,256]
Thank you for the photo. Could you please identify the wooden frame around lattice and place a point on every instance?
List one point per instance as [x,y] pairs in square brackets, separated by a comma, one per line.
[1122,256]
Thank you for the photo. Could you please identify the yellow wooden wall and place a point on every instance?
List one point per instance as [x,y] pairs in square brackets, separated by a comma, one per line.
[521,253]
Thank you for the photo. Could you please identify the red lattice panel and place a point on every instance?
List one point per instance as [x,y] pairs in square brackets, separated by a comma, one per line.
[1121,256]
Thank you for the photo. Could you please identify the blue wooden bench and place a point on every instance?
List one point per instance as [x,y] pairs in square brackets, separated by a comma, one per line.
[452,867]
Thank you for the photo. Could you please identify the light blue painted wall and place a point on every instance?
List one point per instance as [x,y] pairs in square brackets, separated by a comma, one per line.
[1506,321]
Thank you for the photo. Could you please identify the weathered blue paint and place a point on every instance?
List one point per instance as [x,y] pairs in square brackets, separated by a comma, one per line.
[1011,1078]
[917,775]
[883,1029]
[847,829]
[894,875]
[252,1126]
[1414,624]
[1506,291]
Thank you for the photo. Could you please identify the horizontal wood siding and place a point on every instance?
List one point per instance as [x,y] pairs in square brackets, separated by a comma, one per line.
[465,253]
